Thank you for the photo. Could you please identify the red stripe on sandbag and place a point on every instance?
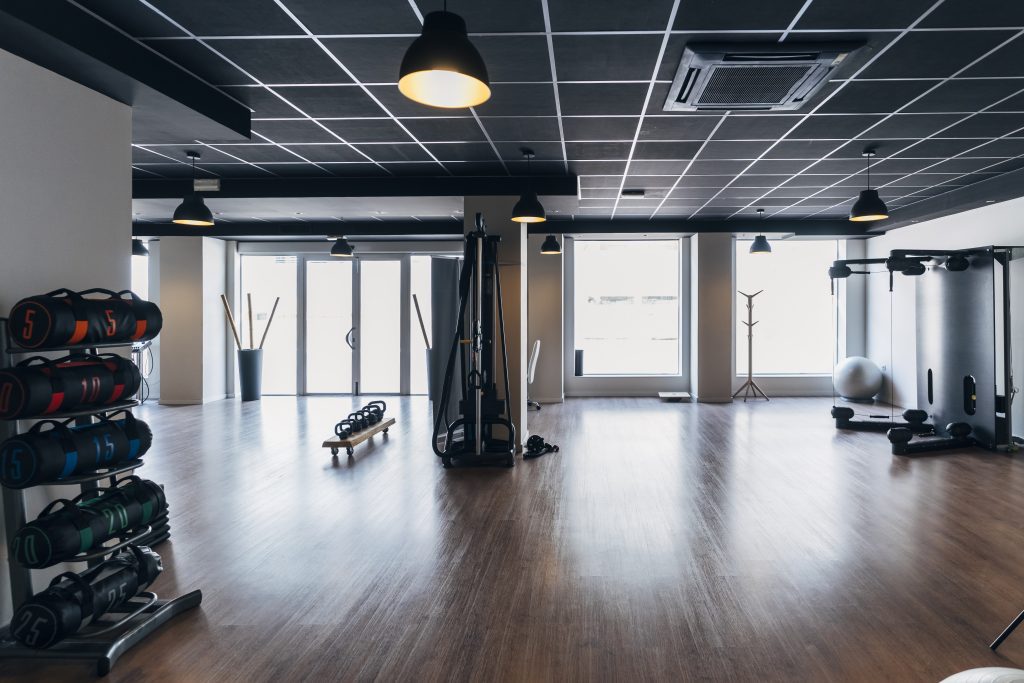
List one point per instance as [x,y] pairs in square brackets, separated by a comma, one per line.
[118,390]
[55,402]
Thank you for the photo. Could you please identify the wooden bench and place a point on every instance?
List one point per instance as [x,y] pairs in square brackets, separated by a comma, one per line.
[353,440]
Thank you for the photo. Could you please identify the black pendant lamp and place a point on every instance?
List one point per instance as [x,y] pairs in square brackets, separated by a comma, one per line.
[139,247]
[551,246]
[760,245]
[528,209]
[342,248]
[192,210]
[869,206]
[442,68]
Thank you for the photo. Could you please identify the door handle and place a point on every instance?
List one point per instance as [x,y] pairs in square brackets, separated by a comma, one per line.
[350,338]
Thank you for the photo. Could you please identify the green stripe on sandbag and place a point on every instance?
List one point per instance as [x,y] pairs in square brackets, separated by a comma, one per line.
[86,539]
[147,511]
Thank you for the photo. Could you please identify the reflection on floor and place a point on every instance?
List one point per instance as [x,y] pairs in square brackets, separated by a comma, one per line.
[665,541]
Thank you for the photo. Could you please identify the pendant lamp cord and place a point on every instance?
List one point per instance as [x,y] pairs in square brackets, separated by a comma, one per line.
[869,170]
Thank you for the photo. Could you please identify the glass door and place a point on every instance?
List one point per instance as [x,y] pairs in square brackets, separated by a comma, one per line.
[343,326]
[379,330]
[329,326]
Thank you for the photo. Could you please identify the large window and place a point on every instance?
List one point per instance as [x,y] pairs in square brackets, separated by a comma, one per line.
[795,330]
[626,306]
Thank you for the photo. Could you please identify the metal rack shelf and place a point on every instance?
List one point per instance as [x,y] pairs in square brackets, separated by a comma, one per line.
[97,410]
[107,473]
[112,639]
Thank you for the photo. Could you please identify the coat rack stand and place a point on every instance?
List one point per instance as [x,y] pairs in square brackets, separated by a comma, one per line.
[749,389]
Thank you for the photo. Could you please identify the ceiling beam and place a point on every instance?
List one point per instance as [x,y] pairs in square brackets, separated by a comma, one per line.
[800,228]
[300,229]
[413,228]
[60,36]
[442,186]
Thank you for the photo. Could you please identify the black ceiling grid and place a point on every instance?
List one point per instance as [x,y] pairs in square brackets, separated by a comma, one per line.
[829,96]
[572,79]
[550,44]
[256,81]
[1010,162]
[868,141]
[666,36]
[1002,161]
[319,43]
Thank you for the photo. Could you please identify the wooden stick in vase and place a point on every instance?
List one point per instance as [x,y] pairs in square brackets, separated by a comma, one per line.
[231,321]
[252,330]
[270,320]
[419,316]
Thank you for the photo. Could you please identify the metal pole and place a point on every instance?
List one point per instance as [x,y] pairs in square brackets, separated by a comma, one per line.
[13,501]
[478,341]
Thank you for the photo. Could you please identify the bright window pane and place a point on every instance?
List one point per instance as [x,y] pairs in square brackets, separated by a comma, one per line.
[626,303]
[140,276]
[380,348]
[268,277]
[420,284]
[795,333]
[328,320]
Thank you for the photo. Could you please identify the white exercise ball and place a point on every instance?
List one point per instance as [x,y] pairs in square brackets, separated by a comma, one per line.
[990,674]
[857,378]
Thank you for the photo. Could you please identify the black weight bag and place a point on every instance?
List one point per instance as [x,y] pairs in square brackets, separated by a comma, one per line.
[536,447]
[38,386]
[52,451]
[67,528]
[73,601]
[66,318]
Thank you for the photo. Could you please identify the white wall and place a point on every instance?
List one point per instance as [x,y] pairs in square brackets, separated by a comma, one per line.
[193,344]
[65,189]
[998,224]
[546,321]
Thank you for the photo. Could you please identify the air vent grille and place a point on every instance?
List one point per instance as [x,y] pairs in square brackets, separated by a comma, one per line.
[753,76]
[751,85]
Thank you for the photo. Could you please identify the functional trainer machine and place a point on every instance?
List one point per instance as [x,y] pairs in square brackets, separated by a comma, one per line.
[475,436]
[965,385]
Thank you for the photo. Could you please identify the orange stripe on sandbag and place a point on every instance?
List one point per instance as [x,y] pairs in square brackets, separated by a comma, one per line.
[140,330]
[81,329]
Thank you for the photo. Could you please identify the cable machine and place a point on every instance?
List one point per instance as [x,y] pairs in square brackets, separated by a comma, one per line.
[965,383]
[471,439]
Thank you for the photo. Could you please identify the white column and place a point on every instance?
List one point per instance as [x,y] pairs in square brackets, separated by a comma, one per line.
[712,312]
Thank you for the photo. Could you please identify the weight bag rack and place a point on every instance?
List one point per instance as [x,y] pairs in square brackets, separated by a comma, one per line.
[133,620]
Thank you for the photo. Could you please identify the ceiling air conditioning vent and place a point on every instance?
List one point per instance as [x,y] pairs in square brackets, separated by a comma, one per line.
[753,76]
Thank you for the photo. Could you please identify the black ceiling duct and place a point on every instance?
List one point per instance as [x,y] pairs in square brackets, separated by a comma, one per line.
[753,76]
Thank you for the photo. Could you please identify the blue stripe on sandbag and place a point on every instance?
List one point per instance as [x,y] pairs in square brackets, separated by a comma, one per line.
[70,462]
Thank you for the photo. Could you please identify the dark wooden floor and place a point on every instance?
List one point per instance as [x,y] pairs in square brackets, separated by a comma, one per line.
[664,542]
